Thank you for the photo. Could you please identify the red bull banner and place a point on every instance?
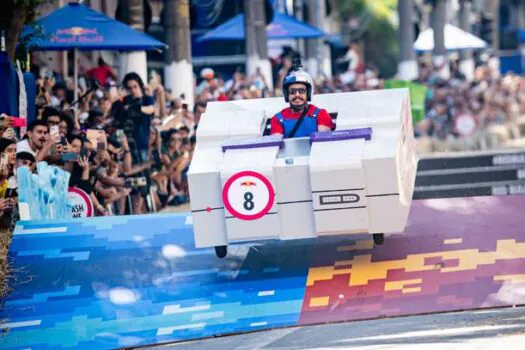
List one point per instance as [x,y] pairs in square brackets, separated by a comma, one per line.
[77,35]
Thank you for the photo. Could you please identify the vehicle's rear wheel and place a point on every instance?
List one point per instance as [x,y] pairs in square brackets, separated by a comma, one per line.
[379,238]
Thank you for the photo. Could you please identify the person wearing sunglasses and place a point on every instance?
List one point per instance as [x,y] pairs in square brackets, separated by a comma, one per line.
[302,118]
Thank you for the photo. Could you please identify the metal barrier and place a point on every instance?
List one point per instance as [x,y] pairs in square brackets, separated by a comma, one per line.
[471,174]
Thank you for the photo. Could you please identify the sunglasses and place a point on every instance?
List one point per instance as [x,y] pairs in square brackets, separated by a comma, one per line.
[293,91]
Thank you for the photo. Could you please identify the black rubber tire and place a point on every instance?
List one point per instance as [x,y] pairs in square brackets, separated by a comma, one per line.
[221,251]
[379,238]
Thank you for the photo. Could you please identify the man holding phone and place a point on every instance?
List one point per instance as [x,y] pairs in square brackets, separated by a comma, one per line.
[38,141]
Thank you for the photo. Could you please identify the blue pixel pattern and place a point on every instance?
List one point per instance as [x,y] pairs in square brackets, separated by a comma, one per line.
[109,282]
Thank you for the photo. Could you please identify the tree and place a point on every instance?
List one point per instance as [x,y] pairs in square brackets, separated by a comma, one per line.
[370,21]
[14,15]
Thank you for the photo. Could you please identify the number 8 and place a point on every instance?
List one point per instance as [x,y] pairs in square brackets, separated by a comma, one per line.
[248,201]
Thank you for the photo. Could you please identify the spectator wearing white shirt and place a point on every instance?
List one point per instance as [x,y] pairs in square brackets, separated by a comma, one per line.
[38,142]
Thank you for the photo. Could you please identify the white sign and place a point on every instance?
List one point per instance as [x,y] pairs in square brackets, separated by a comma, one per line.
[248,195]
[79,203]
[465,125]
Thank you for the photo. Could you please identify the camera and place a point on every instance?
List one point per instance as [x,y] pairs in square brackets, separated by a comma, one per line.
[136,182]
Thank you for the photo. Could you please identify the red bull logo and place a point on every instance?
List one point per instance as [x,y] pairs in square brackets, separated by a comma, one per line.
[77,31]
[248,183]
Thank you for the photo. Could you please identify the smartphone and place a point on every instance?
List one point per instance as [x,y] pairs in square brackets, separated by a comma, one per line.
[54,130]
[120,134]
[69,157]
[96,136]
[82,83]
[11,192]
[3,161]
[83,152]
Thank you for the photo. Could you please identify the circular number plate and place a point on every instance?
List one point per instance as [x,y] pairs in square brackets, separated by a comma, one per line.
[248,195]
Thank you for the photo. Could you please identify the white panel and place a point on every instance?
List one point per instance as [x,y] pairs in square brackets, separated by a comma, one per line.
[205,158]
[267,227]
[387,214]
[219,126]
[205,190]
[294,192]
[381,176]
[209,228]
[336,173]
[297,220]
[336,165]
[342,221]
[293,181]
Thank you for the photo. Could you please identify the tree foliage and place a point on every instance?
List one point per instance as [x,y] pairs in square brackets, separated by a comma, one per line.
[370,22]
[14,15]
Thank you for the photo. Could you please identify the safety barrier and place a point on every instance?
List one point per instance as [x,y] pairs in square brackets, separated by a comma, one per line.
[471,174]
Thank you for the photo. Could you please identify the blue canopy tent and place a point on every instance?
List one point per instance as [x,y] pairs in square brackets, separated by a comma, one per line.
[76,26]
[282,27]
[9,86]
[521,35]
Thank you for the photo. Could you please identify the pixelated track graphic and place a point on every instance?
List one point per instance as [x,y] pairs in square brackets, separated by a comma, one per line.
[137,280]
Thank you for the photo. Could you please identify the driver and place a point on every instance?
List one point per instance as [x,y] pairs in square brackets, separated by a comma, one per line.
[301,118]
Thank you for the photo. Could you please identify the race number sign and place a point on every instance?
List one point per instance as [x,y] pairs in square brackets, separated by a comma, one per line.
[248,195]
[79,203]
[465,124]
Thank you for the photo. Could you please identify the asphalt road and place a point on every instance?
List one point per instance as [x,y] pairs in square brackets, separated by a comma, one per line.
[468,330]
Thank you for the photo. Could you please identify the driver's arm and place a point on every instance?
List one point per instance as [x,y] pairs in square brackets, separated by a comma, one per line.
[324,121]
[275,127]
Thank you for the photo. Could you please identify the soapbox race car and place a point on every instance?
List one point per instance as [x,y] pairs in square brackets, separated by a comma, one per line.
[359,178]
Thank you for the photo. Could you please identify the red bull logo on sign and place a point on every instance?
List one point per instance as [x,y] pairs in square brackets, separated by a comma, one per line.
[248,183]
[77,35]
[77,31]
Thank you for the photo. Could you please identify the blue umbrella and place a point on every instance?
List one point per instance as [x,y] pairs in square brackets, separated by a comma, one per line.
[76,26]
[282,27]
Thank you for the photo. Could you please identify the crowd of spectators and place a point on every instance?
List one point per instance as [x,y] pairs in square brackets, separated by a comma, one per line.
[129,144]
[461,115]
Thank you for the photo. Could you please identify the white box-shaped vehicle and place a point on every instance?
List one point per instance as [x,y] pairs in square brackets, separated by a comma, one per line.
[359,178]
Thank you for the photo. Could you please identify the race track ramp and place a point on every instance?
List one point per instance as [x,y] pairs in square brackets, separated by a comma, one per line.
[136,280]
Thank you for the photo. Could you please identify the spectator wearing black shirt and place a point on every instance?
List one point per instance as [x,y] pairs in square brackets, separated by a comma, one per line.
[134,115]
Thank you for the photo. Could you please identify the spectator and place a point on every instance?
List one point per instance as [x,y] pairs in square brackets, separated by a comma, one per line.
[102,73]
[38,141]
[134,115]
[25,159]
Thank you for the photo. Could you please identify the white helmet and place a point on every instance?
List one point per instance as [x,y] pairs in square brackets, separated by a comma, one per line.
[298,75]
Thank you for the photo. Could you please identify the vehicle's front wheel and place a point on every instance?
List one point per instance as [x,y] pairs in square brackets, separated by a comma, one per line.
[221,251]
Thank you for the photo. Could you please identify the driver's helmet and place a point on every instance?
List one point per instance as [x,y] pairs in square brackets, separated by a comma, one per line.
[298,75]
